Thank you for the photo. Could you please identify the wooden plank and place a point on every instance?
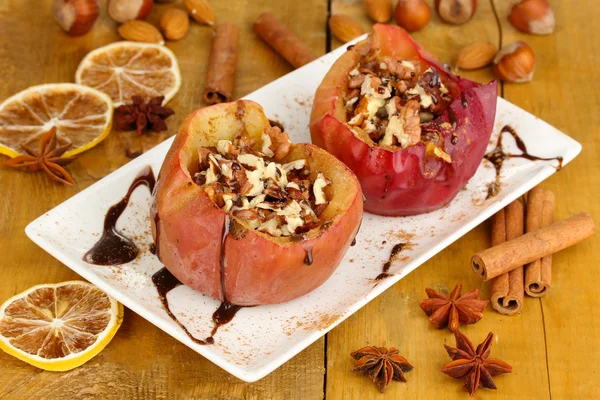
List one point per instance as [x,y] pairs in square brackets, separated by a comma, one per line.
[563,93]
[395,319]
[142,361]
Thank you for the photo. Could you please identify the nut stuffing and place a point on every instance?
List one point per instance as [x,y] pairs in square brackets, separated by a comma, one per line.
[281,199]
[391,102]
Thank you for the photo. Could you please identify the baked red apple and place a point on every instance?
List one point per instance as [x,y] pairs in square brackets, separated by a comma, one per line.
[412,132]
[244,216]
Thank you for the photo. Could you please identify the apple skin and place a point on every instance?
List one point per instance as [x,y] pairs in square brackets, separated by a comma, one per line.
[405,181]
[188,227]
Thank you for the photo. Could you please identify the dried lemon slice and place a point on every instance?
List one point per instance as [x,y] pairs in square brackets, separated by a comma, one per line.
[82,116]
[58,327]
[125,69]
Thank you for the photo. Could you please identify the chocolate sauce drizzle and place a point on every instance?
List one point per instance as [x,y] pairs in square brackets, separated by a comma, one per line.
[452,117]
[497,157]
[164,282]
[463,100]
[277,124]
[308,260]
[226,310]
[386,267]
[114,248]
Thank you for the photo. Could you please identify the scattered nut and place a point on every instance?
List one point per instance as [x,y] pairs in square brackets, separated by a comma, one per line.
[413,15]
[379,10]
[126,10]
[455,12]
[140,31]
[344,28]
[476,55]
[533,16]
[515,63]
[76,17]
[201,12]
[174,23]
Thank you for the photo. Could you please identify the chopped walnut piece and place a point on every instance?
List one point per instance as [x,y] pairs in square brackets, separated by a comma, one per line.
[356,81]
[280,142]
[203,153]
[412,122]
[278,199]
[403,70]
[395,98]
[401,86]
[246,214]
[404,128]
[320,208]
[247,144]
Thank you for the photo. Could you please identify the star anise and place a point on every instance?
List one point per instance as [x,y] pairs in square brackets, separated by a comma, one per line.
[142,116]
[474,364]
[47,159]
[453,310]
[381,364]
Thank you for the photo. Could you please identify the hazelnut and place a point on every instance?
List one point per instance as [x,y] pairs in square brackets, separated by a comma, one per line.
[127,10]
[533,16]
[455,12]
[515,63]
[76,17]
[412,15]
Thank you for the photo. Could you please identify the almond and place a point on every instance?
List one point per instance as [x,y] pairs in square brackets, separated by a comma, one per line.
[174,23]
[140,31]
[200,10]
[379,10]
[476,55]
[345,28]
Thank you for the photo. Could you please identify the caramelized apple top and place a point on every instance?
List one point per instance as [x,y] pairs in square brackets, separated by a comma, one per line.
[249,181]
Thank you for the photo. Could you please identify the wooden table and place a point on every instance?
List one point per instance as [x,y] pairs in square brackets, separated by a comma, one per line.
[552,345]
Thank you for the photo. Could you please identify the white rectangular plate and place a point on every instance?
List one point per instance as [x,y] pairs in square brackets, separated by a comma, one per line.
[260,339]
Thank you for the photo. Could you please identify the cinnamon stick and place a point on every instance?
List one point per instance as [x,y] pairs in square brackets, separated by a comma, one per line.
[543,242]
[507,289]
[540,213]
[222,63]
[284,42]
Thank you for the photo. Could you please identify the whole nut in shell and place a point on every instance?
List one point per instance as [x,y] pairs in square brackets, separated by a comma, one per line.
[126,10]
[76,17]
[533,16]
[140,31]
[476,55]
[412,15]
[201,11]
[379,10]
[456,12]
[345,28]
[515,63]
[174,23]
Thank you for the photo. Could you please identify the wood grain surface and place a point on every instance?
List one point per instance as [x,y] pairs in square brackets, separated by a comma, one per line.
[552,345]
